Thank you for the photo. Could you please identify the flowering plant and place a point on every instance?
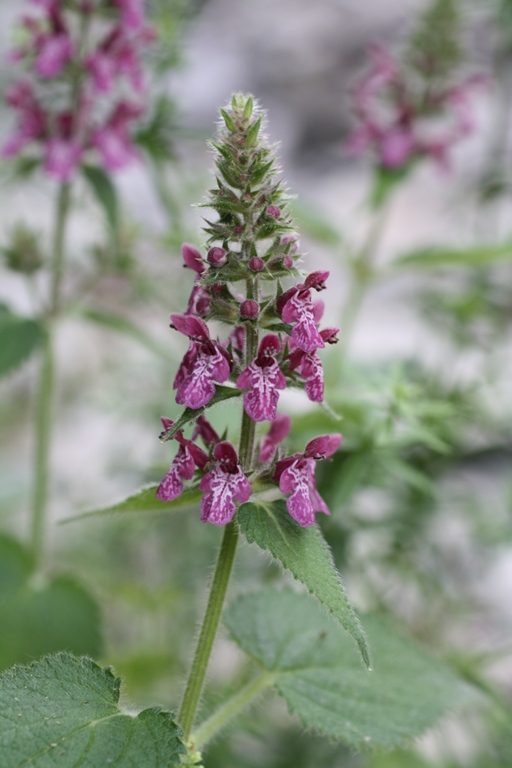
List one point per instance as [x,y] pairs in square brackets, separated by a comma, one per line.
[83,88]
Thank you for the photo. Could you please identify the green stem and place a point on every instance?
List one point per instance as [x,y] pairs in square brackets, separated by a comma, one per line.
[63,204]
[42,448]
[209,629]
[44,407]
[231,708]
[362,275]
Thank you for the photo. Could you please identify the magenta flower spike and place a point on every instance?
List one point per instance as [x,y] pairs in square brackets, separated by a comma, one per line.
[205,362]
[189,457]
[223,485]
[296,476]
[271,338]
[263,377]
[414,107]
[80,75]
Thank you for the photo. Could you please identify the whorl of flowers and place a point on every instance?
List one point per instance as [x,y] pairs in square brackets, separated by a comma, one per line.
[82,87]
[274,341]
[417,106]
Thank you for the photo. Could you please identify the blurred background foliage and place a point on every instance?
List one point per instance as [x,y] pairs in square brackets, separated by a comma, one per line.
[421,490]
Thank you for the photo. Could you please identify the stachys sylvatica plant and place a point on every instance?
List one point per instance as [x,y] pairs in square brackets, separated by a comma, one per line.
[253,325]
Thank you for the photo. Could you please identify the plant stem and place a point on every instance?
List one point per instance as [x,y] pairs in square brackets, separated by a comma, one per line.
[362,275]
[44,407]
[209,629]
[42,447]
[230,708]
[63,203]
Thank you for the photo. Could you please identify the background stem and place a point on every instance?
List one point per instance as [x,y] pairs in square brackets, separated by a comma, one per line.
[44,407]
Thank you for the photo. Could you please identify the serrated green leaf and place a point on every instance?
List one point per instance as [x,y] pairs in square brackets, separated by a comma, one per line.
[430,258]
[303,552]
[252,133]
[19,338]
[65,711]
[189,414]
[230,123]
[143,501]
[316,671]
[105,193]
[42,618]
[124,325]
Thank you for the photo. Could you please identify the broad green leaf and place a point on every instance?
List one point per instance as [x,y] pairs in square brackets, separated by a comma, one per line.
[429,258]
[318,674]
[189,414]
[105,193]
[124,325]
[19,338]
[41,618]
[144,501]
[303,552]
[64,711]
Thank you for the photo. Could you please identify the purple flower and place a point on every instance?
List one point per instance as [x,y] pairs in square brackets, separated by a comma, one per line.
[189,457]
[32,118]
[279,430]
[264,378]
[62,157]
[296,476]
[199,301]
[113,140]
[204,430]
[404,117]
[205,362]
[54,53]
[223,485]
[132,13]
[310,368]
[295,306]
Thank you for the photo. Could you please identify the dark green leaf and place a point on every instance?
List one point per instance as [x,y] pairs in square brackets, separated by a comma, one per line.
[64,711]
[19,338]
[430,258]
[303,552]
[38,618]
[189,414]
[317,671]
[105,193]
[144,501]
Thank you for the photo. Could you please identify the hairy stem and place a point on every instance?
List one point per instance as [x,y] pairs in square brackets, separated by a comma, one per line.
[209,629]
[231,708]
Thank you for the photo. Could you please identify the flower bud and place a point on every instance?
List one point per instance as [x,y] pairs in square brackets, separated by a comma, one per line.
[249,309]
[23,253]
[203,306]
[217,257]
[256,264]
[288,261]
[273,211]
